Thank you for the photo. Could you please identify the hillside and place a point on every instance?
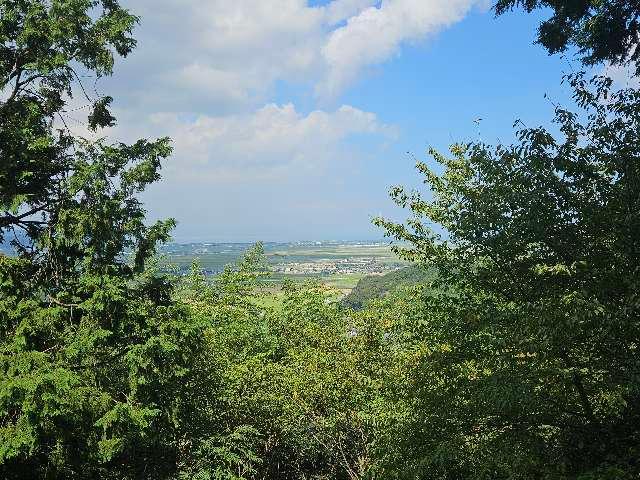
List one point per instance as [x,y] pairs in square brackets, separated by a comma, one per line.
[377,286]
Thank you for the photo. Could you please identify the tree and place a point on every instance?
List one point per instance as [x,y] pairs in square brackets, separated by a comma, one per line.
[602,30]
[294,389]
[93,351]
[528,363]
[377,286]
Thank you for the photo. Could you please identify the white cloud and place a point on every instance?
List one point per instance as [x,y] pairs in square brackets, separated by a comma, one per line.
[276,173]
[226,56]
[267,143]
[206,74]
[339,10]
[375,34]
[218,55]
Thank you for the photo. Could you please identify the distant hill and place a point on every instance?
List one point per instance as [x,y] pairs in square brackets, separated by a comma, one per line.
[377,286]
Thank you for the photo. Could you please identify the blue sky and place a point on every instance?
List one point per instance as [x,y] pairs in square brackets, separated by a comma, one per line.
[291,120]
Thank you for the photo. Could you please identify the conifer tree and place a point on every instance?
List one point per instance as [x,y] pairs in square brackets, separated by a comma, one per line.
[92,350]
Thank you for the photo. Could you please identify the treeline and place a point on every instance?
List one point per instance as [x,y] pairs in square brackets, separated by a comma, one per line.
[516,359]
[377,286]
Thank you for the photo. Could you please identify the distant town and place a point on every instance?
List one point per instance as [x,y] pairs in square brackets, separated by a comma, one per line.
[316,258]
[367,266]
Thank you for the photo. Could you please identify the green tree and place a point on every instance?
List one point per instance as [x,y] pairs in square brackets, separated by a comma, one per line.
[93,352]
[293,391]
[377,286]
[602,30]
[528,365]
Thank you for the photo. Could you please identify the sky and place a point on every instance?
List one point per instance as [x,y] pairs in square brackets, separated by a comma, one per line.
[291,119]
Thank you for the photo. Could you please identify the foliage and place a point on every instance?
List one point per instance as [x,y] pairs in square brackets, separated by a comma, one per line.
[528,365]
[229,456]
[42,44]
[509,350]
[377,286]
[291,375]
[602,30]
[93,352]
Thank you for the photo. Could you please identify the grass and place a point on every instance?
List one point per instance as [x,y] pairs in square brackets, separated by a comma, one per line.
[344,281]
[272,295]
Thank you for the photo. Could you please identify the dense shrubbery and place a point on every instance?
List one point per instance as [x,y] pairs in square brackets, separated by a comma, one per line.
[517,360]
[533,361]
[304,382]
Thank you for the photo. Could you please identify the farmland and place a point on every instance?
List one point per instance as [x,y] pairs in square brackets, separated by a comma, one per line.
[337,264]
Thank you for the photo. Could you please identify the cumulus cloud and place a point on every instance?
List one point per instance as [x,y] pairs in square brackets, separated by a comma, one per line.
[267,173]
[339,10]
[218,55]
[376,33]
[227,56]
[272,142]
[206,74]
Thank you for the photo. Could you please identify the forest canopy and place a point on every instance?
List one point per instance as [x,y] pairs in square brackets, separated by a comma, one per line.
[507,350]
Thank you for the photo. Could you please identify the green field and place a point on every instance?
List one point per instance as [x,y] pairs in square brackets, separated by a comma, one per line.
[342,281]
[213,258]
[381,252]
[271,294]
